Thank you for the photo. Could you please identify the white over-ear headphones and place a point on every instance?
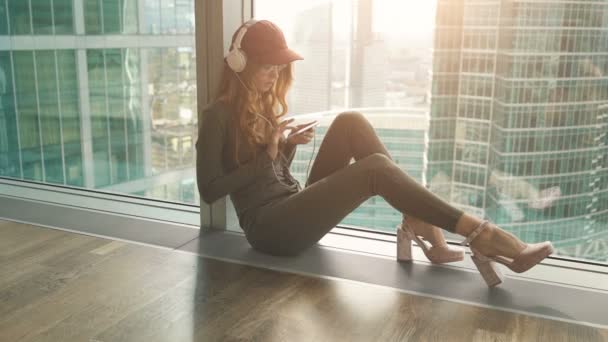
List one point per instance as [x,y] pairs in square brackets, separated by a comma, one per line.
[236,58]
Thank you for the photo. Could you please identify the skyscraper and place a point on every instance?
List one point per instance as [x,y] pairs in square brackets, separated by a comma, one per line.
[517,132]
[98,94]
[343,69]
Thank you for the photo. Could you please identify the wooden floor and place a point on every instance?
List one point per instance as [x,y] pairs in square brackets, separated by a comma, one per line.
[58,286]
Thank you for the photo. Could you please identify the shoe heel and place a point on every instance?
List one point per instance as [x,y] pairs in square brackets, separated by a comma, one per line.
[489,271]
[404,246]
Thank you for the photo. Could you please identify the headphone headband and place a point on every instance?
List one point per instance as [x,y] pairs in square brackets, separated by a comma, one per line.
[236,58]
[241,34]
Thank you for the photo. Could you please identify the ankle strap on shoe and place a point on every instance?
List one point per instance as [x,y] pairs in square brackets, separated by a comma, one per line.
[474,233]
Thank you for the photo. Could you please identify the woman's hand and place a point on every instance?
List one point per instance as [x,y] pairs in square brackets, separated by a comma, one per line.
[301,138]
[277,135]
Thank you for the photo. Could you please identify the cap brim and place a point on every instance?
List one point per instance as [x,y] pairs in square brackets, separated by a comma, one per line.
[283,56]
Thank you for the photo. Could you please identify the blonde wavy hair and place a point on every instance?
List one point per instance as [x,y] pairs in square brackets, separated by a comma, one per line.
[247,101]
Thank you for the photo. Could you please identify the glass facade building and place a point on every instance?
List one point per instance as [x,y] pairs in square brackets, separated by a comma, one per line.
[519,126]
[99,94]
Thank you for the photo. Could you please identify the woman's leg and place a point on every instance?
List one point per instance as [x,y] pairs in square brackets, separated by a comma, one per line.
[349,136]
[352,136]
[335,188]
[297,222]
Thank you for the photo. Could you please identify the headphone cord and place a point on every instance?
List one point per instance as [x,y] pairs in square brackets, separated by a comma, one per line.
[314,147]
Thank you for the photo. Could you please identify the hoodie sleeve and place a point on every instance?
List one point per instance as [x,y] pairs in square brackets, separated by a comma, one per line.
[289,151]
[212,182]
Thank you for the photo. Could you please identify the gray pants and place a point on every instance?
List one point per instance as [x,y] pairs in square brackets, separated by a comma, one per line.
[335,188]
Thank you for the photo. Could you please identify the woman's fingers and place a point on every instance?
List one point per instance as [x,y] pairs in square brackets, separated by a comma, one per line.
[287,127]
[284,123]
[304,137]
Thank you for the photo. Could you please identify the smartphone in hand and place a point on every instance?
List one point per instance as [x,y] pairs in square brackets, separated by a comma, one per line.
[305,128]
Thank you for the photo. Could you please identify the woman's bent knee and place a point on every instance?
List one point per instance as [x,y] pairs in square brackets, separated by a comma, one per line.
[350,117]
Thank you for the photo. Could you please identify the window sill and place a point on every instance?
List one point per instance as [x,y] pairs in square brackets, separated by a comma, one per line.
[551,270]
[363,259]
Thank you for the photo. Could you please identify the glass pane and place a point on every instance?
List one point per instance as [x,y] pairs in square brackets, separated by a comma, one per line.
[70,118]
[111,16]
[49,116]
[42,16]
[167,16]
[184,13]
[152,16]
[103,114]
[515,129]
[9,155]
[3,18]
[133,114]
[129,16]
[27,103]
[64,21]
[19,17]
[99,118]
[169,69]
[93,16]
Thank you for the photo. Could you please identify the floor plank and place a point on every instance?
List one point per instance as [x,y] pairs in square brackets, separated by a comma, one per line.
[60,286]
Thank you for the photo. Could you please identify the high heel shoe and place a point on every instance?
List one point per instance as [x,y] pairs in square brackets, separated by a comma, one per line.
[436,254]
[531,255]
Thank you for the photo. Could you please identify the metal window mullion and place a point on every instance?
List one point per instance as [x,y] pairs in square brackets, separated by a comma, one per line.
[180,150]
[175,16]
[165,148]
[141,23]
[209,61]
[179,97]
[161,17]
[146,114]
[63,166]
[8,19]
[456,117]
[78,19]
[124,108]
[16,116]
[53,20]
[121,17]
[248,10]
[101,19]
[84,117]
[165,144]
[193,142]
[39,122]
[105,83]
[29,3]
[492,106]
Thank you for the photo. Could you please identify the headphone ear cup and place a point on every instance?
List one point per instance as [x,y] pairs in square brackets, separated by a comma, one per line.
[236,60]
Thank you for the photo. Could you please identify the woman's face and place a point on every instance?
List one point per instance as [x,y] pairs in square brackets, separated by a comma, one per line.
[266,76]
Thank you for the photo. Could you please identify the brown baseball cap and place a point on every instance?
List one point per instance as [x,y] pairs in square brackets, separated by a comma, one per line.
[264,43]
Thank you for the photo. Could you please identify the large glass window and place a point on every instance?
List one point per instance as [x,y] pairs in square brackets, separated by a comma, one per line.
[111,16]
[516,119]
[499,108]
[3,18]
[113,116]
[19,17]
